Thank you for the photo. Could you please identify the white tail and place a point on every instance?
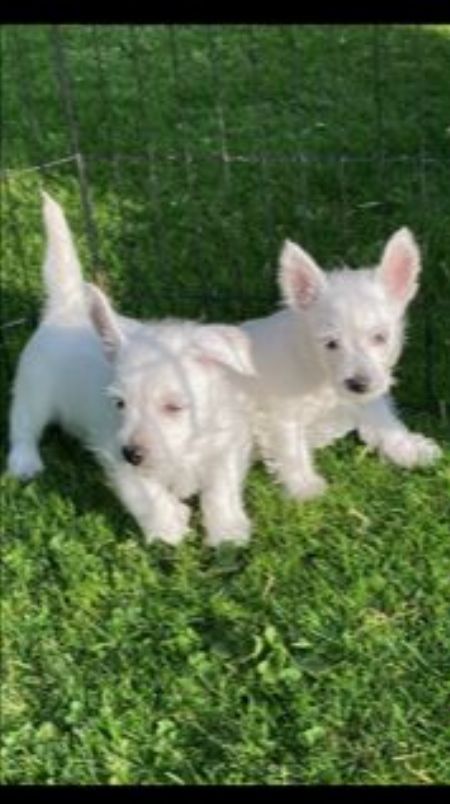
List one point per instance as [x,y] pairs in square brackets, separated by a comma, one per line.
[61,270]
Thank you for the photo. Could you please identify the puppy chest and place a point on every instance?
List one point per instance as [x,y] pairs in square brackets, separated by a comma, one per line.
[325,417]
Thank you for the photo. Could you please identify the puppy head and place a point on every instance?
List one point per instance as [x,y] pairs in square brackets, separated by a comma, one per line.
[171,383]
[354,319]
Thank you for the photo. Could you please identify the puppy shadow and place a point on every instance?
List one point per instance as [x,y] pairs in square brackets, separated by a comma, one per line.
[71,472]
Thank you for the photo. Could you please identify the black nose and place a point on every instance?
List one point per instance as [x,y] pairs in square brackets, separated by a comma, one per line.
[133,455]
[356,384]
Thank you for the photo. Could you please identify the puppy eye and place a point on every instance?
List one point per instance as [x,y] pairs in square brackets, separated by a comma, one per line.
[172,408]
[331,343]
[120,403]
[379,338]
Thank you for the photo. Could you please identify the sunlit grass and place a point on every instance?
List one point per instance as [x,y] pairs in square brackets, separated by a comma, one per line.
[320,654]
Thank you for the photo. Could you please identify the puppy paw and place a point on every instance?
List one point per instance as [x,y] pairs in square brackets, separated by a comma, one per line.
[234,530]
[170,526]
[24,462]
[410,450]
[305,488]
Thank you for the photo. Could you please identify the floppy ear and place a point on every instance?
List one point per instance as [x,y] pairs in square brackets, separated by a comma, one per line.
[400,267]
[223,345]
[300,278]
[104,320]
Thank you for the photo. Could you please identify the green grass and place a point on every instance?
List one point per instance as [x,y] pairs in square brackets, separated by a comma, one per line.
[319,654]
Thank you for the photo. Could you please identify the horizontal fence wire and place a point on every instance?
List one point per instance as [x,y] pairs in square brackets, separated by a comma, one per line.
[142,157]
[184,155]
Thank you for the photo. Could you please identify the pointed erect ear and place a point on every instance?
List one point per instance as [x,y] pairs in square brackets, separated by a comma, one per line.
[219,344]
[400,267]
[300,278]
[104,320]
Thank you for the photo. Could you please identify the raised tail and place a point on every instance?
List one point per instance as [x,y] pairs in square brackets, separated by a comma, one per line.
[61,269]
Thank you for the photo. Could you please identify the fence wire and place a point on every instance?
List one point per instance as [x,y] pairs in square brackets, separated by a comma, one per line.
[184,155]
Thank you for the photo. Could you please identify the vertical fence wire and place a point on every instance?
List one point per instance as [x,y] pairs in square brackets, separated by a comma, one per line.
[379,50]
[429,386]
[232,252]
[206,290]
[108,131]
[63,78]
[311,162]
[22,75]
[296,69]
[341,167]
[143,79]
[256,72]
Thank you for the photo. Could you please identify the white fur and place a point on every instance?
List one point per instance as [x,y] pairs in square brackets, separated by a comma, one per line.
[183,409]
[339,327]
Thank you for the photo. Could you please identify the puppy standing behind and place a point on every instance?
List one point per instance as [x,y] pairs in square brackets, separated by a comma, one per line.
[324,364]
[158,404]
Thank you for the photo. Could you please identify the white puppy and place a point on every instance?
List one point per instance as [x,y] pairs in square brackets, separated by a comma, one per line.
[158,404]
[325,363]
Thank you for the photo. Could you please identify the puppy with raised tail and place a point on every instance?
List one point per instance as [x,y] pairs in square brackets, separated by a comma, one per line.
[325,363]
[158,404]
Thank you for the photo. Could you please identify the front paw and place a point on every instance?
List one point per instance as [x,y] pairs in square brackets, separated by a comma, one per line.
[24,462]
[234,530]
[410,450]
[169,526]
[305,488]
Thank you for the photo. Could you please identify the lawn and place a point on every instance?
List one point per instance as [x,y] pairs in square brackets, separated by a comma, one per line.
[320,653]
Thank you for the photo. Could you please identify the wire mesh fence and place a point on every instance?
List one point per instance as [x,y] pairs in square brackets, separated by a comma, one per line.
[184,155]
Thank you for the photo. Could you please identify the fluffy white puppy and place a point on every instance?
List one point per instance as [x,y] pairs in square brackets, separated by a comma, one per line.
[158,404]
[325,363]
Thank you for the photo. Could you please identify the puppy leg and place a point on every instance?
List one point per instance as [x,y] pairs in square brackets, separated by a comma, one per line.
[158,513]
[288,453]
[381,429]
[30,413]
[221,499]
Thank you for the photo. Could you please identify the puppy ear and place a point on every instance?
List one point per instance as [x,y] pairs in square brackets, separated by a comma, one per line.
[223,345]
[300,278]
[104,320]
[400,267]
